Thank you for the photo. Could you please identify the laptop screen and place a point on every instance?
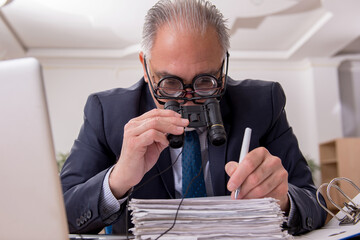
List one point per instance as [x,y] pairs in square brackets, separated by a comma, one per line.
[31,200]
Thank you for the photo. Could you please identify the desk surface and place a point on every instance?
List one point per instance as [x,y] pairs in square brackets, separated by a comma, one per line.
[98,237]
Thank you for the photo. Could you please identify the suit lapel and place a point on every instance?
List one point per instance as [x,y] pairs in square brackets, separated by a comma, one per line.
[167,177]
[217,161]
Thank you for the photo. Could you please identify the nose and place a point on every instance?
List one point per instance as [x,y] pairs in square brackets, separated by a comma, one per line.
[189,94]
[188,90]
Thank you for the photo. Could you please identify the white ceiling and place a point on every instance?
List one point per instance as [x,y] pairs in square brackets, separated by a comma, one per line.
[260,29]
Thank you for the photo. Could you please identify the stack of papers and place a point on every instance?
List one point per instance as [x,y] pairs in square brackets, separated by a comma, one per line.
[208,218]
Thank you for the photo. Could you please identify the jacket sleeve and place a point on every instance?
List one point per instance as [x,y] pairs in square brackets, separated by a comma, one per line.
[281,141]
[84,171]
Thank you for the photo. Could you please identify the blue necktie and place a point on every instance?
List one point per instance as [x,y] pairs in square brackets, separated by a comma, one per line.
[191,165]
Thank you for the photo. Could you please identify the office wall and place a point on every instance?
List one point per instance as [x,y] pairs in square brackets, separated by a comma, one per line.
[310,106]
[327,99]
[68,83]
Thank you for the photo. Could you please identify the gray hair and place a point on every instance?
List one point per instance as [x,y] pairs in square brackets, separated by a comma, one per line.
[195,15]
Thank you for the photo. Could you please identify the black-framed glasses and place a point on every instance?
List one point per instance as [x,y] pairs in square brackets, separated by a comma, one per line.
[203,85]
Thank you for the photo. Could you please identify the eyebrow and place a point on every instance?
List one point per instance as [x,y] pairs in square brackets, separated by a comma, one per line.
[161,74]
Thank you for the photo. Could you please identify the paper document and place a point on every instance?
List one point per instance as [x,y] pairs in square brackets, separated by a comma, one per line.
[208,218]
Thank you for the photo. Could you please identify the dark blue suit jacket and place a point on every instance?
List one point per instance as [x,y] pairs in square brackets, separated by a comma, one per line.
[249,103]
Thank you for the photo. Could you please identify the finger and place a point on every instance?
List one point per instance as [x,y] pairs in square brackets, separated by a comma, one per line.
[151,136]
[158,113]
[173,125]
[276,186]
[250,162]
[260,190]
[269,188]
[230,168]
[134,150]
[266,169]
[139,144]
[156,143]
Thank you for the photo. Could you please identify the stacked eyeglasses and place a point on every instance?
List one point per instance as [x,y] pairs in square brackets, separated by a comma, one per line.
[203,86]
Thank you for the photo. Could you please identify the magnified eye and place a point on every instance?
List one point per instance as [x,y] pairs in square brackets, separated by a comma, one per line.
[205,85]
[170,87]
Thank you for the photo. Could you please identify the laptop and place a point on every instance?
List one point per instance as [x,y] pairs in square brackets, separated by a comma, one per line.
[31,202]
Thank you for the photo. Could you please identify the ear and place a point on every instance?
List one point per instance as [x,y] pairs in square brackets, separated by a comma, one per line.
[142,60]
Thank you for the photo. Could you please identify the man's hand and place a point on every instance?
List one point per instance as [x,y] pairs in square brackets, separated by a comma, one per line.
[259,175]
[144,140]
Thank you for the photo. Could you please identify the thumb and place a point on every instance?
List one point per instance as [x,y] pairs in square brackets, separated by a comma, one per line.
[230,167]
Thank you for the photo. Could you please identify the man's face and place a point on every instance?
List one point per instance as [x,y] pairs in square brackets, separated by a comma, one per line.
[185,55]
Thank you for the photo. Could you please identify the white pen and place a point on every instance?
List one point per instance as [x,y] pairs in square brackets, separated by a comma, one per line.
[244,150]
